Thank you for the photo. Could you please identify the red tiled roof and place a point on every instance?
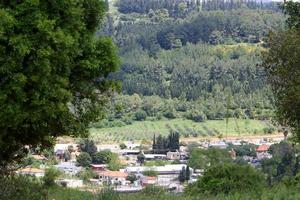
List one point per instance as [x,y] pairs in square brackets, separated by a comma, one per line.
[113,174]
[262,148]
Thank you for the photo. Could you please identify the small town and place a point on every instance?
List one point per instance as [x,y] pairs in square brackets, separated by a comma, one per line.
[88,166]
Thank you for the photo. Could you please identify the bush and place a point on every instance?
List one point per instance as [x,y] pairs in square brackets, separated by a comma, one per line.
[20,187]
[228,178]
[150,173]
[123,146]
[84,159]
[196,115]
[151,190]
[140,115]
[131,178]
[269,130]
[50,175]
[86,174]
[102,157]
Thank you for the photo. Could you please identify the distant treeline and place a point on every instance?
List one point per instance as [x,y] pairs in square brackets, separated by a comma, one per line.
[178,8]
[158,31]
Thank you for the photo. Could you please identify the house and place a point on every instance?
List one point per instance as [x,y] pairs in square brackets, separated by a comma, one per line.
[155,156]
[129,152]
[148,180]
[72,183]
[68,167]
[173,155]
[262,148]
[98,167]
[113,177]
[219,145]
[262,152]
[161,170]
[29,171]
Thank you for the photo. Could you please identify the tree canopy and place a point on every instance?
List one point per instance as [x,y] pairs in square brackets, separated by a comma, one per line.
[281,63]
[53,72]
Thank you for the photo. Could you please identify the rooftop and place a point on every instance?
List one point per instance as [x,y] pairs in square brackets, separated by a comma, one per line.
[262,148]
[113,174]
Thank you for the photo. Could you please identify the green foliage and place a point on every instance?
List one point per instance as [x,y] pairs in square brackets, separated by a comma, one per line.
[88,146]
[141,158]
[182,175]
[151,190]
[51,174]
[228,178]
[283,164]
[203,159]
[84,159]
[102,157]
[246,149]
[53,71]
[150,173]
[19,187]
[123,146]
[131,178]
[140,115]
[86,174]
[114,163]
[281,62]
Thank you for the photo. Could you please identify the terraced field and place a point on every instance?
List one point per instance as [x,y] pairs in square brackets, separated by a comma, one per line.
[186,128]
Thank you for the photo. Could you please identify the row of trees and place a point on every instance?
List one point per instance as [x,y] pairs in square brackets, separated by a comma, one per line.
[89,155]
[162,144]
[177,8]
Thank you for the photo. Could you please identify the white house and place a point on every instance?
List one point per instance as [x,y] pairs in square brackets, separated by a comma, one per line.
[72,183]
[113,177]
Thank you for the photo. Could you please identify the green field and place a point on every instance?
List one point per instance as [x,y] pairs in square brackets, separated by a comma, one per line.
[186,128]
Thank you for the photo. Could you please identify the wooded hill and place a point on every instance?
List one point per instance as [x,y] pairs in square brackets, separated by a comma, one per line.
[202,54]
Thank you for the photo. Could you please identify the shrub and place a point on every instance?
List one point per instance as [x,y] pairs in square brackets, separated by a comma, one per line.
[228,178]
[151,190]
[84,159]
[20,187]
[50,175]
[150,173]
[140,115]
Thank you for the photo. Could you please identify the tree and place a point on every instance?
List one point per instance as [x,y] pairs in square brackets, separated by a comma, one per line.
[181,176]
[203,159]
[228,178]
[123,146]
[84,159]
[187,173]
[140,115]
[131,178]
[281,63]
[141,158]
[53,72]
[67,156]
[102,157]
[88,146]
[50,175]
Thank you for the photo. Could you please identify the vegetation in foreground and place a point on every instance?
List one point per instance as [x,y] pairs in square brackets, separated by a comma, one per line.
[36,191]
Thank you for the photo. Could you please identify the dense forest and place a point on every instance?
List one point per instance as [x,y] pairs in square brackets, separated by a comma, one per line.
[193,59]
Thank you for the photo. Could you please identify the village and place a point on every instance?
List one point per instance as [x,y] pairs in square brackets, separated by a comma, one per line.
[138,165]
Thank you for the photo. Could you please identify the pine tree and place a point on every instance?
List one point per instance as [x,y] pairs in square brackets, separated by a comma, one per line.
[187,173]
[181,176]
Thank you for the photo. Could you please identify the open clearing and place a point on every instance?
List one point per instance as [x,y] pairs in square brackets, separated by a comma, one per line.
[186,128]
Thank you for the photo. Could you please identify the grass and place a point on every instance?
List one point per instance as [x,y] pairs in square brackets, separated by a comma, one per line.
[187,128]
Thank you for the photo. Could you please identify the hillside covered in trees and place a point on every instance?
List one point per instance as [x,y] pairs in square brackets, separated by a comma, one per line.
[193,59]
